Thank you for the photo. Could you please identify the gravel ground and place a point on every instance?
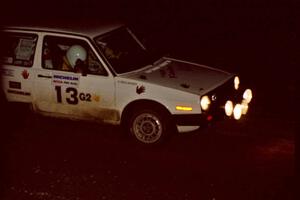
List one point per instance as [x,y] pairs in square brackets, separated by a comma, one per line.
[46,158]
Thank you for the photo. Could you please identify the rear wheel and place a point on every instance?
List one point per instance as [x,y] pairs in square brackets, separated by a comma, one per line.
[149,126]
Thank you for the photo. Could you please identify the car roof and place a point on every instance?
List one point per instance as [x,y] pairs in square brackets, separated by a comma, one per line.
[77,27]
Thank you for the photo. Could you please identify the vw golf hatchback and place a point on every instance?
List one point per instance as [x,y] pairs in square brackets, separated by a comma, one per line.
[104,73]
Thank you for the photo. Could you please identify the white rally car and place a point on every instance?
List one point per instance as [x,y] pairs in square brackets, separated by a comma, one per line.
[104,73]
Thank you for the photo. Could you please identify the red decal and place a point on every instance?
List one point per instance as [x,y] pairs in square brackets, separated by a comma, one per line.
[25,74]
[140,89]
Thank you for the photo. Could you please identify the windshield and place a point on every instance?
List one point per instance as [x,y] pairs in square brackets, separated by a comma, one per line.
[123,51]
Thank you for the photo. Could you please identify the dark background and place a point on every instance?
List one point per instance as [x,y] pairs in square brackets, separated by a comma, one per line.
[259,39]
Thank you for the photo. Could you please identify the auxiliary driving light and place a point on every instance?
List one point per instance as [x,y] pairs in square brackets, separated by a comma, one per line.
[247,95]
[205,102]
[237,111]
[228,108]
[244,107]
[236,82]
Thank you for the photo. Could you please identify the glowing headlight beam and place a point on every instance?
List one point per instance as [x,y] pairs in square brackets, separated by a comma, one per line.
[205,102]
[244,107]
[237,111]
[236,82]
[228,108]
[248,95]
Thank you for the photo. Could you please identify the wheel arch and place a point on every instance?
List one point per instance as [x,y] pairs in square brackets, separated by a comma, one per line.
[142,103]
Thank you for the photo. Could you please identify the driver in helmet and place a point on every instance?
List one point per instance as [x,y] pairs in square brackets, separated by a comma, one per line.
[75,58]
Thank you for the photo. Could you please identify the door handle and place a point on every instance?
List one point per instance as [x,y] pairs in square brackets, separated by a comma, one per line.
[44,76]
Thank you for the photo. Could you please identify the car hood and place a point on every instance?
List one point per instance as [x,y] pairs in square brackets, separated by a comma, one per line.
[181,75]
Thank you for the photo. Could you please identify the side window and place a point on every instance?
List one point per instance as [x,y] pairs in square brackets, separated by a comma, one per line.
[67,54]
[18,49]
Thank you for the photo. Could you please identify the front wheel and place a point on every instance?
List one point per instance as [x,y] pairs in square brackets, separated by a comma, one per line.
[149,126]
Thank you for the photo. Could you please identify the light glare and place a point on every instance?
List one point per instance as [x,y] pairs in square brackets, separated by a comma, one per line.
[248,95]
[244,107]
[205,102]
[236,82]
[228,108]
[237,111]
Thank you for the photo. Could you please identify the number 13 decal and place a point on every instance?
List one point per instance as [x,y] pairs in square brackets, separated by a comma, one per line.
[73,99]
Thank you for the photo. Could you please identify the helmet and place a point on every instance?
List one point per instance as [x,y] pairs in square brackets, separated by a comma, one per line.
[74,53]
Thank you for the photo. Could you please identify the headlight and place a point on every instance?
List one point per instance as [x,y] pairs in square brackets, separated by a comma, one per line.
[244,107]
[228,108]
[236,82]
[247,95]
[205,102]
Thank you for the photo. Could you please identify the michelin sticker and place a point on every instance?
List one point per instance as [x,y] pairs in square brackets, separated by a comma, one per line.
[70,80]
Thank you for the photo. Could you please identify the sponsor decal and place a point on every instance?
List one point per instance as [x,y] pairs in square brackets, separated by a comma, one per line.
[140,89]
[127,82]
[72,80]
[19,92]
[96,98]
[14,85]
[25,74]
[7,72]
[25,49]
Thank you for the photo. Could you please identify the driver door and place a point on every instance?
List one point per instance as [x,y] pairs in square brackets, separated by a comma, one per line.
[88,95]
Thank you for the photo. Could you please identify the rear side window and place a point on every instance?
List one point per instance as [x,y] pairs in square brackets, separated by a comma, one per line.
[18,49]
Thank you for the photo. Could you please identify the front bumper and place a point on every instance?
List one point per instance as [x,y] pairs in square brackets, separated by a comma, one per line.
[191,119]
[219,98]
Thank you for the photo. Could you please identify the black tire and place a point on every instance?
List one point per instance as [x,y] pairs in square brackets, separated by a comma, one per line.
[149,126]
